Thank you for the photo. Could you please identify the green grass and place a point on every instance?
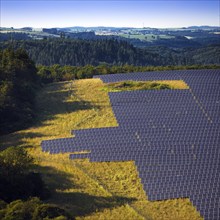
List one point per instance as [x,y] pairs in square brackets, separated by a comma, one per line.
[88,190]
[144,85]
[146,37]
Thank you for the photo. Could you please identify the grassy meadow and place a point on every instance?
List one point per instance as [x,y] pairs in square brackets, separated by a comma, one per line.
[147,37]
[144,85]
[105,190]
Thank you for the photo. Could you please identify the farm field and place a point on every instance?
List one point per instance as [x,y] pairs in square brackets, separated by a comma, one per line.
[100,190]
[147,37]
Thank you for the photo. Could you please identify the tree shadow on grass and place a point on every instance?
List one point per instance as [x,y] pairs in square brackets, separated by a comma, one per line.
[56,103]
[82,204]
[48,107]
[56,179]
[17,139]
[60,185]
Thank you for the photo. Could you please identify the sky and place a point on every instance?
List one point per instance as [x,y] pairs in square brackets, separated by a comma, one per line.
[117,13]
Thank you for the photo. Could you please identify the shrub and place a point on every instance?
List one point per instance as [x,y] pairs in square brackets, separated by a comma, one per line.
[154,84]
[164,86]
[32,209]
[3,204]
[15,210]
[47,211]
[16,181]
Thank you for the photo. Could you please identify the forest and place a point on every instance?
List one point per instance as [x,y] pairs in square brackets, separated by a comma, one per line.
[56,72]
[78,52]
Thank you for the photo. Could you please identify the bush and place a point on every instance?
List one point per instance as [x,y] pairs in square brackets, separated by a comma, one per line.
[32,209]
[47,211]
[16,181]
[15,160]
[15,210]
[2,213]
[164,86]
[3,204]
[154,84]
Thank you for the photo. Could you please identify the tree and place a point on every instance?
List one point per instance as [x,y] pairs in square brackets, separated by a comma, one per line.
[18,83]
[15,160]
[45,74]
[16,179]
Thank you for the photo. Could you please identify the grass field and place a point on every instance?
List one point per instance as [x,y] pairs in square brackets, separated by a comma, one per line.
[147,37]
[144,85]
[107,190]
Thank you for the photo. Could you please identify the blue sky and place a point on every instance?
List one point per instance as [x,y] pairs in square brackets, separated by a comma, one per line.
[150,13]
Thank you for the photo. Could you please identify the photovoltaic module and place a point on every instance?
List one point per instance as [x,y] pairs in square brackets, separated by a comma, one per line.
[172,135]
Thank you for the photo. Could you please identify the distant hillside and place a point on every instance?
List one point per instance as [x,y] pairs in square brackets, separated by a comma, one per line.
[83,52]
[202,27]
[78,52]
[205,55]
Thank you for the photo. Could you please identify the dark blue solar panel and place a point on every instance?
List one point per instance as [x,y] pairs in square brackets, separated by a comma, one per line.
[172,135]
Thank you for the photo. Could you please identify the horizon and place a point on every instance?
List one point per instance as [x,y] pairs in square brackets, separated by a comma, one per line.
[99,26]
[117,13]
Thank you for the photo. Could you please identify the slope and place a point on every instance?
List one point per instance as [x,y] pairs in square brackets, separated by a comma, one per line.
[88,190]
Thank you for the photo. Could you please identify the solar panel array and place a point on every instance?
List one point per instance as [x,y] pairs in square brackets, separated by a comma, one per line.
[172,135]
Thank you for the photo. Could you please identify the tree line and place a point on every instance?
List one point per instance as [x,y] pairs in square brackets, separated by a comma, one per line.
[56,72]
[21,186]
[18,85]
[78,52]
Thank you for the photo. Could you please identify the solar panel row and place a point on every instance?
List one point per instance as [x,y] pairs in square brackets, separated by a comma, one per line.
[172,135]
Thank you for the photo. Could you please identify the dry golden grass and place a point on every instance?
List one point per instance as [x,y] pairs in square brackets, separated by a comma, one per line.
[88,190]
[130,85]
[175,84]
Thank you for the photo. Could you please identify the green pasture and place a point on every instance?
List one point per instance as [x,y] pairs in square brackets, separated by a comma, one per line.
[147,37]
